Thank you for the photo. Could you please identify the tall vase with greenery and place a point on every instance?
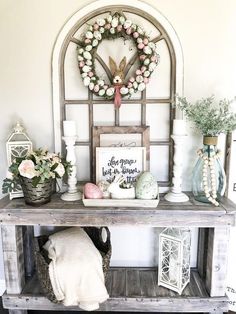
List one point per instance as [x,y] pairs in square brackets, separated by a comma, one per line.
[211,119]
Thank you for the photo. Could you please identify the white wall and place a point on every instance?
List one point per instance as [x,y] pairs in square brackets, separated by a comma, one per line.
[28,30]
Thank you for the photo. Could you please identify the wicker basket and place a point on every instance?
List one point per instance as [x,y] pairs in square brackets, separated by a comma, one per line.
[42,260]
[39,195]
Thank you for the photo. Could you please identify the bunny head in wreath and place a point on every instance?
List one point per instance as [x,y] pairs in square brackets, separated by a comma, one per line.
[112,27]
[118,78]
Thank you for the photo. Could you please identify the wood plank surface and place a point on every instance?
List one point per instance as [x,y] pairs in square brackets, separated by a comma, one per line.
[217,258]
[126,297]
[13,257]
[60,213]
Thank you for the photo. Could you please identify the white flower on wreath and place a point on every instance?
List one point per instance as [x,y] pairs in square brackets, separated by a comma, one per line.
[124,90]
[91,86]
[102,30]
[89,47]
[86,68]
[89,62]
[147,50]
[95,43]
[100,82]
[141,87]
[140,30]
[87,55]
[81,50]
[152,45]
[86,81]
[134,27]
[127,24]
[152,66]
[112,30]
[139,40]
[122,20]
[109,18]
[89,35]
[26,169]
[97,35]
[114,22]
[101,22]
[80,58]
[84,75]
[139,78]
[131,91]
[110,91]
[146,61]
[146,73]
[135,85]
[101,92]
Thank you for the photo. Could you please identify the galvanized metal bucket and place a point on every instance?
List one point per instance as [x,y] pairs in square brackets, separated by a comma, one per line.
[39,195]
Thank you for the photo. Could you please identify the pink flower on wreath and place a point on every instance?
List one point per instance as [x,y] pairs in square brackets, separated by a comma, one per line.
[141,46]
[96,26]
[87,41]
[81,64]
[129,31]
[143,69]
[96,88]
[135,34]
[90,74]
[119,28]
[138,72]
[108,26]
[129,85]
[146,80]
[26,169]
[153,58]
[145,41]
[132,79]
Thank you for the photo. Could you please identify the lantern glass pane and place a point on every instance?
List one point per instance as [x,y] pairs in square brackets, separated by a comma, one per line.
[170,261]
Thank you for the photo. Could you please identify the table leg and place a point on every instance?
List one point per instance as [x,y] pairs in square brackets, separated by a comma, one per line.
[13,255]
[217,254]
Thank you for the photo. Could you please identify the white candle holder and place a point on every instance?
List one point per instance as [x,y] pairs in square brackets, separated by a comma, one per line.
[72,194]
[176,194]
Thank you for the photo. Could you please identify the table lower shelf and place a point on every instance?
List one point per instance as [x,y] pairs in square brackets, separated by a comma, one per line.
[130,289]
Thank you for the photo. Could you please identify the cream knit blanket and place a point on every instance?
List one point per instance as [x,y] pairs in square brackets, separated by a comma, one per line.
[76,269]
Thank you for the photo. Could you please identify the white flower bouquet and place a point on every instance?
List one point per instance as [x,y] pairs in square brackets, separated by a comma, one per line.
[39,166]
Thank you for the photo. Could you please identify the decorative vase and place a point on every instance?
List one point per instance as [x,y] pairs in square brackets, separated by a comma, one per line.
[208,181]
[39,195]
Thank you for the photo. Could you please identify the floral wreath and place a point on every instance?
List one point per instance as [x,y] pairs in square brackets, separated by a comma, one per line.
[113,27]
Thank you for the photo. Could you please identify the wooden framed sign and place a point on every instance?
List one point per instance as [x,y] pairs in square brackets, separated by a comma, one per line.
[120,136]
[126,161]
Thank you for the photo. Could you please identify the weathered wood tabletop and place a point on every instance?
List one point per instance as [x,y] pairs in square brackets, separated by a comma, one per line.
[61,213]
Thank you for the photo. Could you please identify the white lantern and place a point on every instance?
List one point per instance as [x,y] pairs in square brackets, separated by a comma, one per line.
[18,145]
[174,258]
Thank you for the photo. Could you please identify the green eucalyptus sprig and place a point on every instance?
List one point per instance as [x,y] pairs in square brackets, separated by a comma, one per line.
[209,117]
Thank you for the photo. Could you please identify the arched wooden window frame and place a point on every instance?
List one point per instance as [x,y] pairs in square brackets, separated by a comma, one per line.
[167,33]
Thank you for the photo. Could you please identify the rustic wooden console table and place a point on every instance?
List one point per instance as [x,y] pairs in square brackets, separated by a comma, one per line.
[130,289]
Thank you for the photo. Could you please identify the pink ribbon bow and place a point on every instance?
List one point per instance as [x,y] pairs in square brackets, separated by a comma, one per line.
[117,100]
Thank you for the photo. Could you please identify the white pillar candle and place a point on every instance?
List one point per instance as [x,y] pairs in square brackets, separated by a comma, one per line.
[69,128]
[179,127]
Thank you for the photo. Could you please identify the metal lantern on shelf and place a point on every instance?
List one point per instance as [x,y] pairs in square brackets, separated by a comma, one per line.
[174,258]
[18,145]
